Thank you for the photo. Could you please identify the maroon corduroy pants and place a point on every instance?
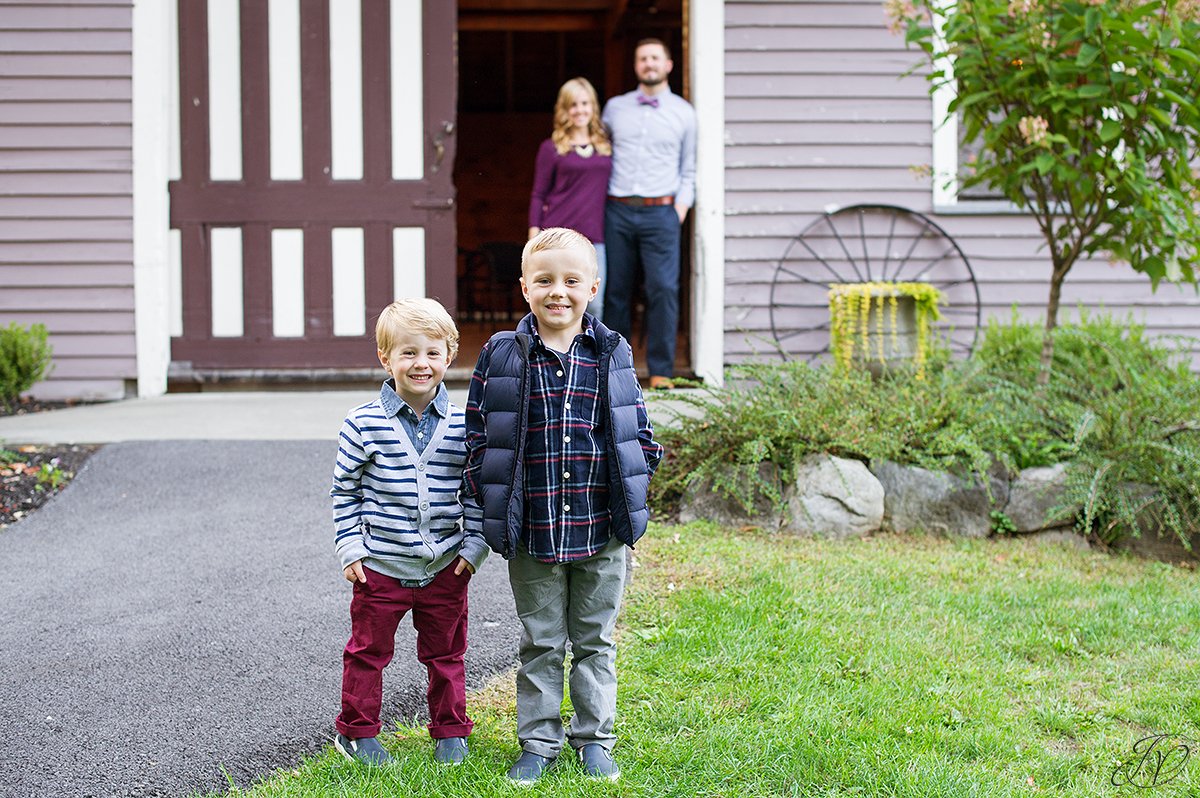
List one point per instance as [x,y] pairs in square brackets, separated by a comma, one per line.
[439,614]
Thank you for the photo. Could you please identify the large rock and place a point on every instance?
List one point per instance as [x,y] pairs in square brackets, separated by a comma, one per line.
[702,502]
[1032,495]
[833,497]
[1062,536]
[937,502]
[1155,540]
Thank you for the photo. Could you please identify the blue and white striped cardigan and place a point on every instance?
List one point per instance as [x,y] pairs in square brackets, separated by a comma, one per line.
[397,509]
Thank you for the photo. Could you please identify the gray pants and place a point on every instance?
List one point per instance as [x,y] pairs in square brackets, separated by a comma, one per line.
[557,602]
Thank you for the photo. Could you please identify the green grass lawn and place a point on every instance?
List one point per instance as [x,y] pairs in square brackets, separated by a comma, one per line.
[762,665]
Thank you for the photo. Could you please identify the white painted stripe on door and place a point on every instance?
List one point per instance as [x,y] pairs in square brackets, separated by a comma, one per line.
[287,283]
[175,282]
[226,247]
[345,88]
[287,162]
[408,262]
[408,114]
[349,283]
[224,90]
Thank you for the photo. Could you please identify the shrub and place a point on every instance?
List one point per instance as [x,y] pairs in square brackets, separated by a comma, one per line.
[778,413]
[1123,409]
[24,360]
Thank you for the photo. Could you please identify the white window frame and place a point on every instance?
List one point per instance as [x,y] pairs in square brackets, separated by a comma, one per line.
[946,150]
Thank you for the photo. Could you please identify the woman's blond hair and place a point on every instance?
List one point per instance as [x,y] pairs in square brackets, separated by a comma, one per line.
[562,118]
[426,316]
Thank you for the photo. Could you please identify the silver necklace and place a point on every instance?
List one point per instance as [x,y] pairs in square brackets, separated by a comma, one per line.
[584,150]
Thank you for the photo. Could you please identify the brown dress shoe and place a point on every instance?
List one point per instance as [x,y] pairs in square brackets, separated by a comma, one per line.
[661,383]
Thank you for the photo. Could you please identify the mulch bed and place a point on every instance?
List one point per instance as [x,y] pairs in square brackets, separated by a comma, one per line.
[30,475]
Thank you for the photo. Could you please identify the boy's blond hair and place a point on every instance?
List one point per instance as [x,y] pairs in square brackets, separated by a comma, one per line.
[426,316]
[559,238]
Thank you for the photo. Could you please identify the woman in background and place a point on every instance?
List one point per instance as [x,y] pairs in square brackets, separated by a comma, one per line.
[570,179]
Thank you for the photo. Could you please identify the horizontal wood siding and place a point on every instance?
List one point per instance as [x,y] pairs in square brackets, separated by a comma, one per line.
[66,177]
[818,115]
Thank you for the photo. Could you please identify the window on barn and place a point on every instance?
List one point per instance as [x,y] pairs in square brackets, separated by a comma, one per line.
[953,156]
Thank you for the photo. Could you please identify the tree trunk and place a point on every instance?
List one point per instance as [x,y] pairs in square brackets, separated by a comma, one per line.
[1056,281]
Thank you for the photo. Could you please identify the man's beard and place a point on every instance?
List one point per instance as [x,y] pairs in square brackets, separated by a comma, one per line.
[655,81]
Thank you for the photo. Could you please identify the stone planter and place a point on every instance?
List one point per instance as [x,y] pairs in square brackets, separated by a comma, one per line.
[838,498]
[890,351]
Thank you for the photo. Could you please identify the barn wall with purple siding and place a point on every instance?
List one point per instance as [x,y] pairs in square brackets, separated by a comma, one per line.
[66,227]
[818,115]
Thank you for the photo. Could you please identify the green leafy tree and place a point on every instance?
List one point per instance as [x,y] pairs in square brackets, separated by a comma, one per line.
[1085,114]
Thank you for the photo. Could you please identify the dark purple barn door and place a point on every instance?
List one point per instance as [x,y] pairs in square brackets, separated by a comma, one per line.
[316,155]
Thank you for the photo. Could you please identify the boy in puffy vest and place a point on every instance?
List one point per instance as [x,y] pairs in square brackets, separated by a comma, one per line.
[559,454]
[398,519]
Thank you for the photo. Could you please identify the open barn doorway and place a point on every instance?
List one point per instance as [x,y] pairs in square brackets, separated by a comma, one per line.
[513,55]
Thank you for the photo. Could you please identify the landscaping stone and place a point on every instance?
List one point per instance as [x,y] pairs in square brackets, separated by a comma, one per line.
[1160,544]
[1032,495]
[936,502]
[1157,541]
[701,502]
[1065,536]
[833,497]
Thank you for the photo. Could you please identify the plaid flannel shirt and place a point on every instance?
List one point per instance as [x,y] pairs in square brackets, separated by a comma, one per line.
[566,461]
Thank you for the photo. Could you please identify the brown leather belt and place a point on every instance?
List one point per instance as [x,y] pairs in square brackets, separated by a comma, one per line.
[643,201]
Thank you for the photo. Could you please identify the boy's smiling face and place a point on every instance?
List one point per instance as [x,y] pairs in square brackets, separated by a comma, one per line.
[417,363]
[558,284]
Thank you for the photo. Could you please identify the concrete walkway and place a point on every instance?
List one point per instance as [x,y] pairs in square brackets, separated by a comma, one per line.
[262,416]
[176,613]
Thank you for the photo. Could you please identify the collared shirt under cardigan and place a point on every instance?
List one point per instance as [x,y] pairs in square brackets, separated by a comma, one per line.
[654,146]
[566,465]
[385,477]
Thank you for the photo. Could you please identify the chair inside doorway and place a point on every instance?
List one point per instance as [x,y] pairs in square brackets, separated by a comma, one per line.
[490,286]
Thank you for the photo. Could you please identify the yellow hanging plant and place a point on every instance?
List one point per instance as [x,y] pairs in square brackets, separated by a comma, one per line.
[851,310]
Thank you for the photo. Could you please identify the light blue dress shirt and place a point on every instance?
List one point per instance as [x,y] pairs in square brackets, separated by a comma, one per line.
[654,148]
[419,429]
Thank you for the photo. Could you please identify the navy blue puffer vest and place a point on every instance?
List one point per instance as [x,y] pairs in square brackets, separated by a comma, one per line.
[506,397]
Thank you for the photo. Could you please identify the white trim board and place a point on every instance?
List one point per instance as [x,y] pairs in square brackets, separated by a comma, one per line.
[707,53]
[154,32]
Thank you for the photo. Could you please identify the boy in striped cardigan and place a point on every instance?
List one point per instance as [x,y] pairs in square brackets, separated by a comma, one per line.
[400,535]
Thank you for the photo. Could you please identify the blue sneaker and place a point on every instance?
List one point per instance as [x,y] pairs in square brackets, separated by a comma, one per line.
[598,762]
[528,768]
[450,750]
[364,750]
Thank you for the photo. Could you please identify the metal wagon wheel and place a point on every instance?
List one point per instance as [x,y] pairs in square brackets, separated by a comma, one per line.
[869,243]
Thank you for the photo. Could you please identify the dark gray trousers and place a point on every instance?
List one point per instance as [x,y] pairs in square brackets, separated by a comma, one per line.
[556,602]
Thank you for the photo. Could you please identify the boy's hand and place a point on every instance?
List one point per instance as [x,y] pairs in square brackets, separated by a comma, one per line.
[354,572]
[460,565]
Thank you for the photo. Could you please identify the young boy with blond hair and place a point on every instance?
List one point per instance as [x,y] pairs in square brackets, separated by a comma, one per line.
[560,455]
[399,533]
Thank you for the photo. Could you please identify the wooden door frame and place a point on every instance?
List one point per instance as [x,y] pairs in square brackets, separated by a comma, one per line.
[704,32]
[154,111]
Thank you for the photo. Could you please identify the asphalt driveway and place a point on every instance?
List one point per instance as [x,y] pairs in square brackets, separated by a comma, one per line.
[177,614]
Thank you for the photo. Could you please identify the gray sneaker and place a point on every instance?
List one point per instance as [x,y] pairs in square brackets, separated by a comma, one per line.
[598,762]
[528,768]
[450,750]
[364,750]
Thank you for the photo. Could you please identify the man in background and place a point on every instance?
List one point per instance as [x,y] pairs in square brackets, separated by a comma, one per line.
[652,186]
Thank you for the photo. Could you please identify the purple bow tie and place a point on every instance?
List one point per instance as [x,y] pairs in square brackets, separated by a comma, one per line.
[650,101]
